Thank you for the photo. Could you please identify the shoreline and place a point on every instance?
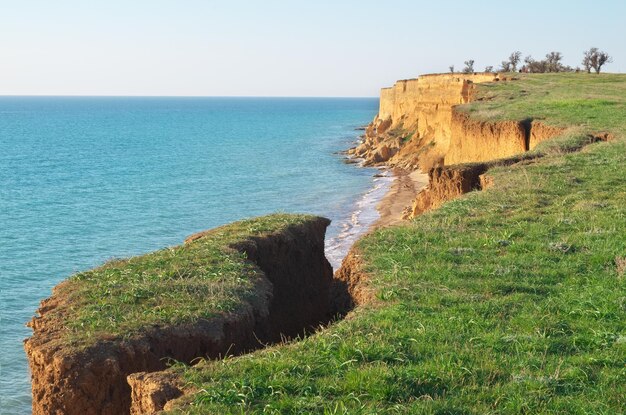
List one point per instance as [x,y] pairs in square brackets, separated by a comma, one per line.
[385,204]
[403,191]
[359,219]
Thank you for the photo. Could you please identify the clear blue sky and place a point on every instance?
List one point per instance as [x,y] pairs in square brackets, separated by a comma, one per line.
[281,48]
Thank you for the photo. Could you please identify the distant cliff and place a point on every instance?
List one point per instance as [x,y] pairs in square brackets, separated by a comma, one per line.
[418,126]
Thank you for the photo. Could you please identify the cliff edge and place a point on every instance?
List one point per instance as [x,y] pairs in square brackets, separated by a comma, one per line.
[233,289]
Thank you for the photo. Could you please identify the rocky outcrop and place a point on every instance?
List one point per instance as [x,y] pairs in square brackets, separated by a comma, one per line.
[292,296]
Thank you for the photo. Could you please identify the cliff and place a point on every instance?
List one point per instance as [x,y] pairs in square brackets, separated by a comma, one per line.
[289,295]
[419,126]
[424,103]
[414,123]
[422,125]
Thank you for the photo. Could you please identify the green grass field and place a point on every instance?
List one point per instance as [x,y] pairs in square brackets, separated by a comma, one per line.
[593,102]
[201,279]
[506,301]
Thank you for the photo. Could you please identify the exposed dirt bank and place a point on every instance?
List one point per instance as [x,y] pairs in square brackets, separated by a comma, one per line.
[418,126]
[477,140]
[293,297]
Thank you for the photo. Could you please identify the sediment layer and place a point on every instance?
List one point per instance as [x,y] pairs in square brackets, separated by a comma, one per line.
[414,123]
[419,127]
[291,297]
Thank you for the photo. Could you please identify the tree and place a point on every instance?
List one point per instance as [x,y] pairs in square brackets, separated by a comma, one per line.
[533,66]
[451,67]
[489,69]
[469,66]
[553,62]
[505,66]
[587,59]
[514,60]
[595,59]
[528,60]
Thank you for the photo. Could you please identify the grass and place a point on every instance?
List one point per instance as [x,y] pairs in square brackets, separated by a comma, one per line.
[507,301]
[201,279]
[590,101]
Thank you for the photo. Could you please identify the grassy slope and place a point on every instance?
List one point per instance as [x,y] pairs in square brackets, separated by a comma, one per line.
[200,279]
[505,301]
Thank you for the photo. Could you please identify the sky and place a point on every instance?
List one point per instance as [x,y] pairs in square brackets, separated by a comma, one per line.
[282,48]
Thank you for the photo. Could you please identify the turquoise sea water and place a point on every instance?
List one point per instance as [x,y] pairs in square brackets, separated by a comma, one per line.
[83,180]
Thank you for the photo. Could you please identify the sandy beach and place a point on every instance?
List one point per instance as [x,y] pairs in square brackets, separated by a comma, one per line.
[403,191]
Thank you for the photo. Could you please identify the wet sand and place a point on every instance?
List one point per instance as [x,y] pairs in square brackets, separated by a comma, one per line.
[403,191]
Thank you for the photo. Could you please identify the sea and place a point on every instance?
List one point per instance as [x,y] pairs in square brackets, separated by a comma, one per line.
[87,179]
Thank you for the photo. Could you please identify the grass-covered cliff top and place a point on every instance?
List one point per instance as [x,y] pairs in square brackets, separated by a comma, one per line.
[200,279]
[506,301]
[594,102]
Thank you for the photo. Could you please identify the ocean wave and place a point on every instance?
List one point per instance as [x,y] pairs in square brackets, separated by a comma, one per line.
[358,220]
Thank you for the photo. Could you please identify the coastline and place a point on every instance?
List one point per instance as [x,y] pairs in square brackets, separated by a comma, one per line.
[360,219]
[147,200]
[404,189]
[385,204]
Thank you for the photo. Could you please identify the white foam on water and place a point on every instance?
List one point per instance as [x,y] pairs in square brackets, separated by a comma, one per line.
[359,220]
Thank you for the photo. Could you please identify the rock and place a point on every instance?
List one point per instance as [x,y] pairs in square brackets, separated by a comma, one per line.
[384,126]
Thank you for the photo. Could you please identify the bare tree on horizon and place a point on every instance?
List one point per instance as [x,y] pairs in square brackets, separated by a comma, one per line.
[514,60]
[553,62]
[595,59]
[469,66]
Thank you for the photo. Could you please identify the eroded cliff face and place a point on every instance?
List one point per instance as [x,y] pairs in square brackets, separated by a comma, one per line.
[475,141]
[447,183]
[422,103]
[414,124]
[292,296]
[418,126]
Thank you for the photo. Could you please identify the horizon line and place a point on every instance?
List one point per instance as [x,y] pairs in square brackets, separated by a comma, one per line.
[181,96]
